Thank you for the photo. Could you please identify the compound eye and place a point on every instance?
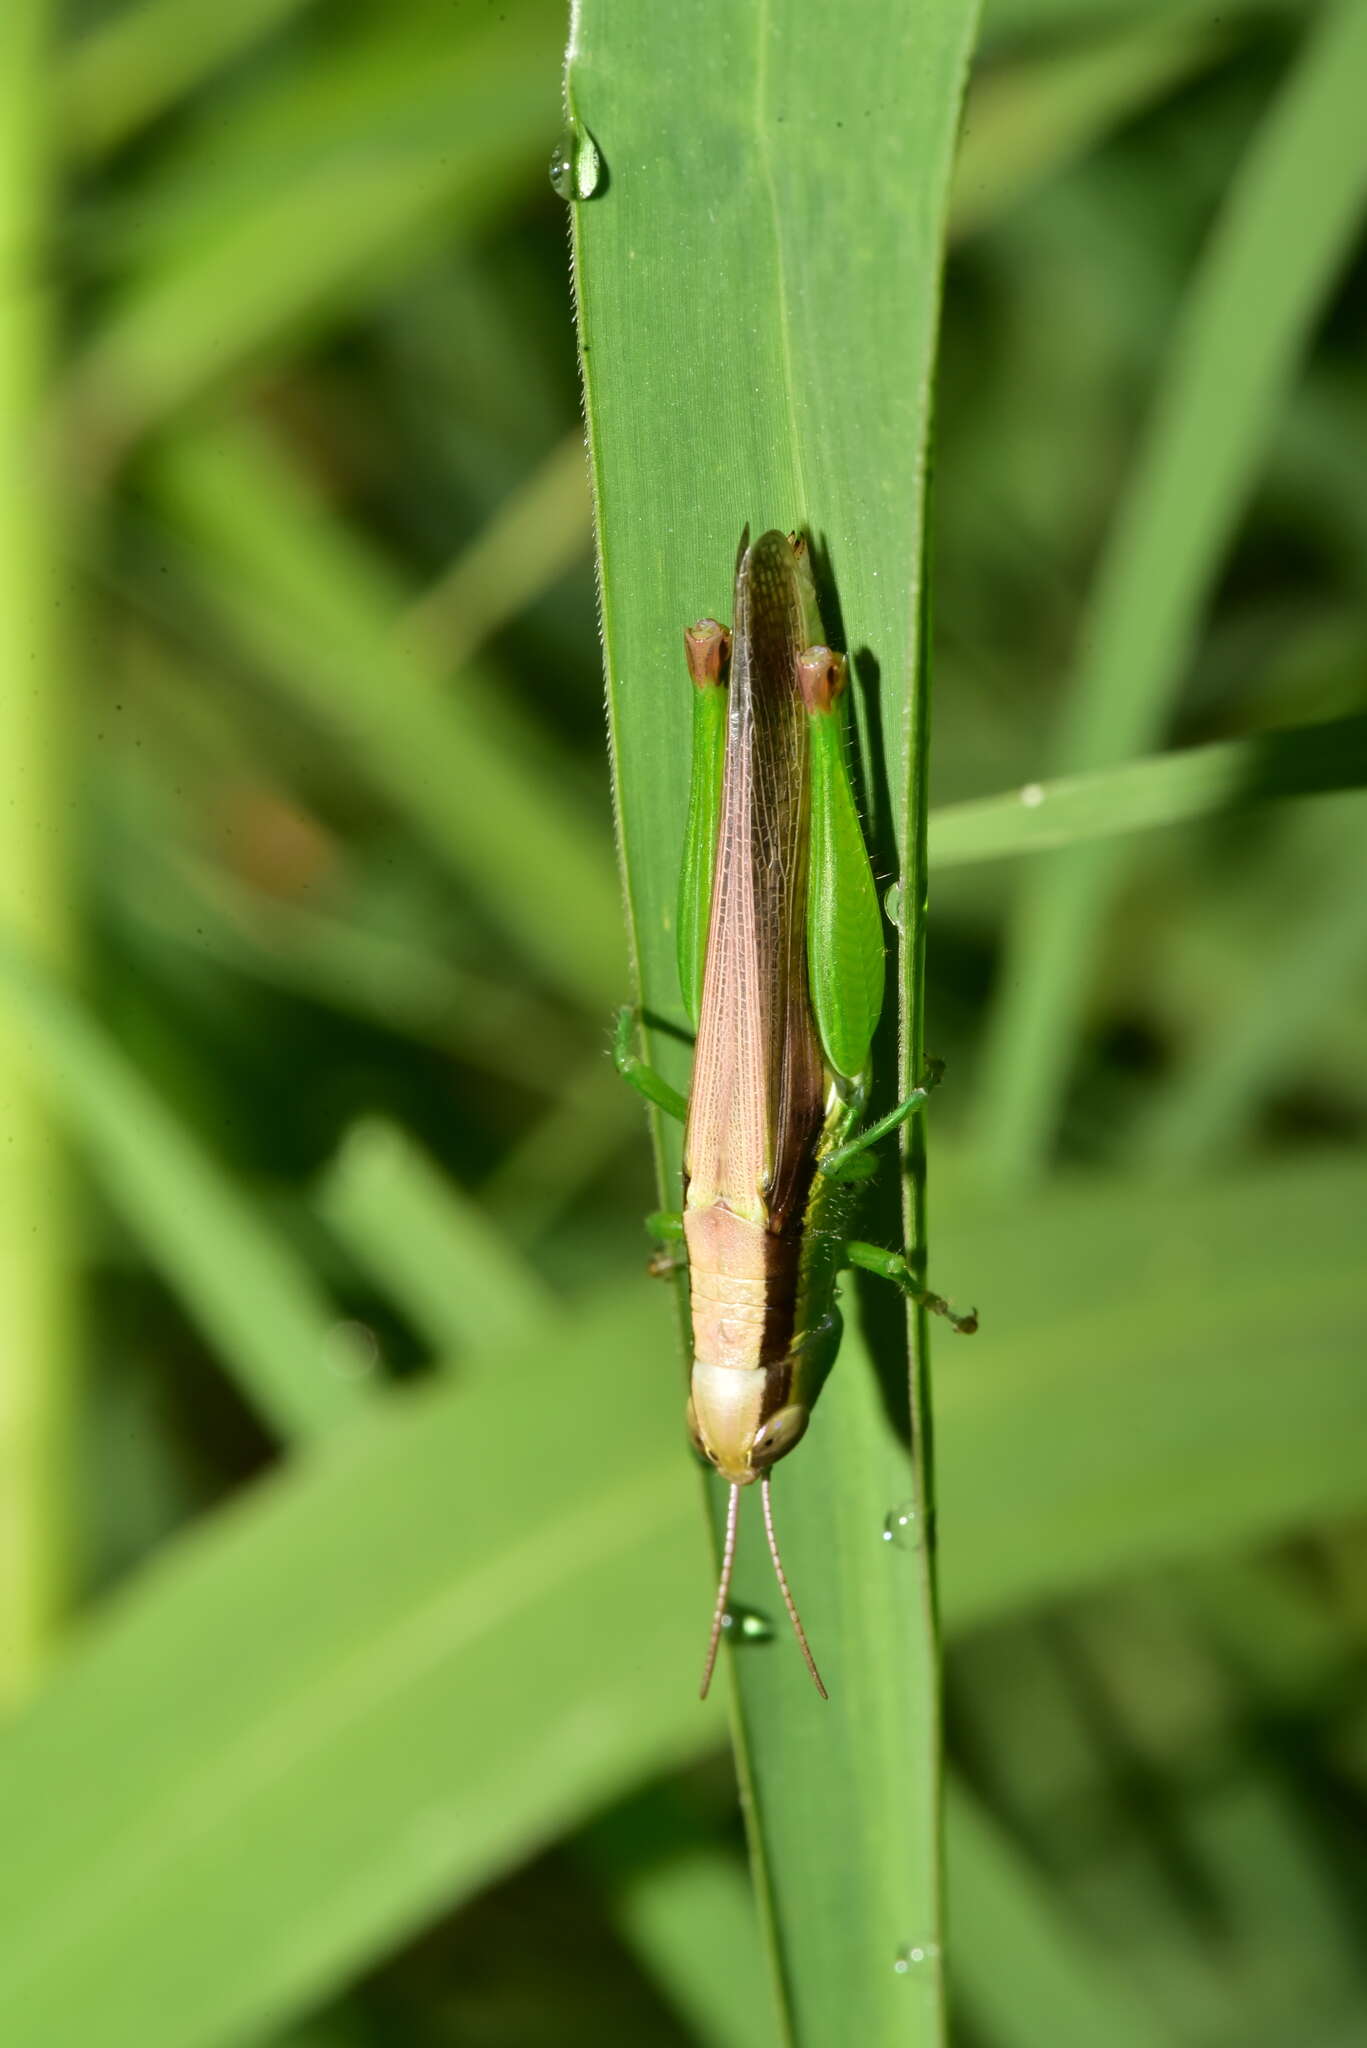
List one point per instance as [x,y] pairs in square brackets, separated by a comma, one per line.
[776,1437]
[691,1417]
[820,676]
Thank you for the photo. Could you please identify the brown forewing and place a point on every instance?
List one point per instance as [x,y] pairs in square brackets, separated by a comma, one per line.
[755,1107]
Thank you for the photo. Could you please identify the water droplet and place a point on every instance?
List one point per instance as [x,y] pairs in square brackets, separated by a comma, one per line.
[915,1956]
[892,905]
[902,1525]
[747,1625]
[1032,795]
[576,166]
[351,1349]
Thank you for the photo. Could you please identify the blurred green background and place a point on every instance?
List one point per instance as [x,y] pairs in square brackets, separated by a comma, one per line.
[349,1713]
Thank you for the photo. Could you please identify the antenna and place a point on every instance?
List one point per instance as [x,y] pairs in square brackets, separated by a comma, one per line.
[788,1599]
[728,1558]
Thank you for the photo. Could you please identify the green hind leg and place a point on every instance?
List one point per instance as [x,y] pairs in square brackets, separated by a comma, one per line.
[643,1078]
[850,1161]
[871,1258]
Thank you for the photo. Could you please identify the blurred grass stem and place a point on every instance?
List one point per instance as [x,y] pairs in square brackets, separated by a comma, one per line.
[1271,260]
[35,1284]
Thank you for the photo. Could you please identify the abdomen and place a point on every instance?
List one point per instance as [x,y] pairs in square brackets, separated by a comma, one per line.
[744,1289]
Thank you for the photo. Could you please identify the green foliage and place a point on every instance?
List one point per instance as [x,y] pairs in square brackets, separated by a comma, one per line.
[37,1338]
[1276,249]
[1143,795]
[352,1581]
[351,1705]
[810,413]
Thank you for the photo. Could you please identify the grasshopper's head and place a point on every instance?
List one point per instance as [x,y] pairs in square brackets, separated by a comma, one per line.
[744,1422]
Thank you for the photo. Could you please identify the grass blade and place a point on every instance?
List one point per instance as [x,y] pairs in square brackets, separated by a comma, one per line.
[1130,1399]
[295,1736]
[36,1294]
[538,533]
[680,1897]
[162,894]
[1271,261]
[1028,120]
[1313,958]
[327,1713]
[255,1305]
[304,199]
[562,1153]
[758,296]
[317,610]
[1141,796]
[1027,1974]
[442,1261]
[144,55]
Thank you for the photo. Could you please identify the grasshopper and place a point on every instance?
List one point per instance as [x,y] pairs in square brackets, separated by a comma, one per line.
[781,965]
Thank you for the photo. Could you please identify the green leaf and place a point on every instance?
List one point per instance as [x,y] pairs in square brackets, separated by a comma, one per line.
[37,1255]
[1312,960]
[1140,796]
[1029,1974]
[140,57]
[163,895]
[261,1310]
[303,200]
[537,533]
[440,1258]
[1280,241]
[683,1900]
[328,1711]
[321,1720]
[1145,1385]
[1007,21]
[1026,121]
[318,609]
[758,286]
